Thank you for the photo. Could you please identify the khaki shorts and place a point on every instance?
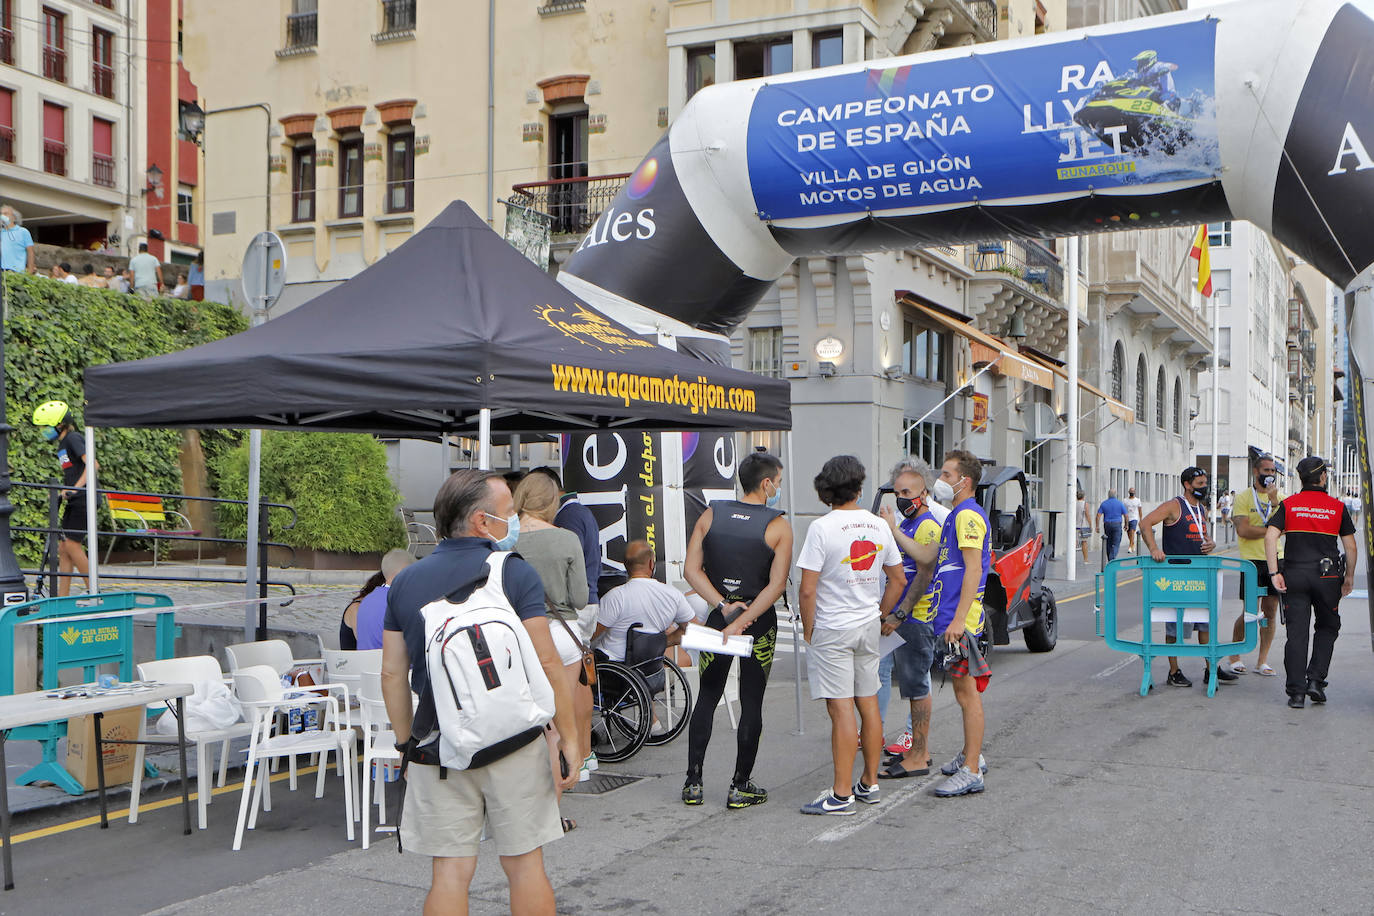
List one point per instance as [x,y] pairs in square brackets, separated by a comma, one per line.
[844,663]
[515,795]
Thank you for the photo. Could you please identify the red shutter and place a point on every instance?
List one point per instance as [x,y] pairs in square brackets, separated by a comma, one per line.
[102,137]
[54,122]
[6,108]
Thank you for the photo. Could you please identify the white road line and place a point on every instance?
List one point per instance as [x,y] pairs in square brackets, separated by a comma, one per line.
[870,813]
[1108,672]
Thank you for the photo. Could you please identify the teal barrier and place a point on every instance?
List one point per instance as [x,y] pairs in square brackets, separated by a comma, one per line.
[1180,590]
[84,644]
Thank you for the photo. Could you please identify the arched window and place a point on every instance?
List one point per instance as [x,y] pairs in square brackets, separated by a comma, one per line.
[1159,399]
[1140,384]
[1118,371]
[1178,406]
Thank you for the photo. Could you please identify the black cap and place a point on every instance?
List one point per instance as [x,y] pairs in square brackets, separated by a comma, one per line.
[1310,468]
[1191,473]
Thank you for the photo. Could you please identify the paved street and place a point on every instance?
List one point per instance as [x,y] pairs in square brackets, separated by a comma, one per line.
[1097,800]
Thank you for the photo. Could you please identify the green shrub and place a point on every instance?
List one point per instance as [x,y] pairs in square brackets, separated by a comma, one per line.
[338,483]
[53,331]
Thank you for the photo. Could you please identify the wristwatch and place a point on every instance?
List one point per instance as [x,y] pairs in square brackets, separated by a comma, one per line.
[720,606]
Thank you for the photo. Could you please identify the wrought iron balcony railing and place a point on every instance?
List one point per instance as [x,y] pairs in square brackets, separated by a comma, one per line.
[302,30]
[574,203]
[6,46]
[103,170]
[398,16]
[54,157]
[102,80]
[6,144]
[1030,263]
[55,63]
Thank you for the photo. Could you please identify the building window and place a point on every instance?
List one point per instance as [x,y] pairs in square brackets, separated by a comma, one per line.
[1224,347]
[1159,399]
[1178,406]
[400,172]
[302,24]
[398,15]
[923,352]
[1140,384]
[351,177]
[1119,372]
[54,139]
[303,183]
[102,153]
[6,33]
[1034,465]
[54,45]
[6,125]
[765,351]
[102,63]
[567,163]
[701,69]
[925,440]
[1219,236]
[754,59]
[185,204]
[827,49]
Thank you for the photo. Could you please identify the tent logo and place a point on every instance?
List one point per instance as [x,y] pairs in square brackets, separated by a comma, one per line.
[642,181]
[587,327]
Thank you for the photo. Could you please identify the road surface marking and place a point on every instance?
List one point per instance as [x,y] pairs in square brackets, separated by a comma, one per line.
[150,806]
[869,813]
[1108,672]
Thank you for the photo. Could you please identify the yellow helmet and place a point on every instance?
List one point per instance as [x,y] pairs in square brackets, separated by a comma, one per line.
[53,413]
[1146,59]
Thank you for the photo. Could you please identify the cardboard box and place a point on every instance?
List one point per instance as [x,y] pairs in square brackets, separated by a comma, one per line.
[121,724]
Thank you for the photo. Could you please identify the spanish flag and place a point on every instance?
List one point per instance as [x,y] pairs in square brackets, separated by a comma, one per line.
[1204,261]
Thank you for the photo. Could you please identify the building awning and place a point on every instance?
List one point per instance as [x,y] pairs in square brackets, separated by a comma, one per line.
[1114,407]
[986,348]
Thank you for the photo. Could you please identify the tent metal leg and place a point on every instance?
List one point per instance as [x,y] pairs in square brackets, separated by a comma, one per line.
[92,541]
[484,439]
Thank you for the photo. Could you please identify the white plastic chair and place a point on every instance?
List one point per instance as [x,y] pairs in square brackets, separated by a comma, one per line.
[347,667]
[260,691]
[272,652]
[198,669]
[379,745]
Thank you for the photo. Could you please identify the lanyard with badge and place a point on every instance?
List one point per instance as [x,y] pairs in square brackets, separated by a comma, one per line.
[1199,519]
[1268,507]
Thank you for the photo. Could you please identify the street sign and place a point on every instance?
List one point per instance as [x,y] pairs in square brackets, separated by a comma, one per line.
[264,270]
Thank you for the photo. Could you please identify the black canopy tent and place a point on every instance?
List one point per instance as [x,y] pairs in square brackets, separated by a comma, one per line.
[453,322]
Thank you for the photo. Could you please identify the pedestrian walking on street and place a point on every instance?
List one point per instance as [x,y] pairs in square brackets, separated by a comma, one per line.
[1312,577]
[1225,505]
[961,574]
[445,808]
[58,426]
[1111,519]
[1083,522]
[1133,510]
[1250,514]
[843,599]
[737,562]
[147,273]
[918,537]
[1184,521]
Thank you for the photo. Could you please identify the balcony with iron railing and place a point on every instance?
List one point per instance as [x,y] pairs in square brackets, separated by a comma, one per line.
[102,80]
[6,143]
[54,157]
[302,34]
[398,18]
[6,46]
[573,203]
[103,170]
[1027,263]
[55,63]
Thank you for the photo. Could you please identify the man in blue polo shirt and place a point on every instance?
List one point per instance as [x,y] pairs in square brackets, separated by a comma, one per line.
[444,811]
[16,245]
[1111,516]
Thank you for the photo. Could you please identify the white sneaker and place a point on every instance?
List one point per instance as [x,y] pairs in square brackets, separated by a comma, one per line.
[953,766]
[584,774]
[963,782]
[590,762]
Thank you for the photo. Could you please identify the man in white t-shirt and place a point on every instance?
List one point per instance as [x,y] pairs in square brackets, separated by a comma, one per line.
[658,608]
[843,600]
[1132,516]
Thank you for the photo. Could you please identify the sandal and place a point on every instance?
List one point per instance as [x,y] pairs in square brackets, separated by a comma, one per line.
[1238,668]
[1266,670]
[569,825]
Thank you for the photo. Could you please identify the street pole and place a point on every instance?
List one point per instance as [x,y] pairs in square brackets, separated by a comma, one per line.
[92,541]
[12,584]
[1216,420]
[254,532]
[1071,443]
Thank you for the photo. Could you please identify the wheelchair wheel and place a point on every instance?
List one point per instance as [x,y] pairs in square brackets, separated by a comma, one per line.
[672,706]
[620,712]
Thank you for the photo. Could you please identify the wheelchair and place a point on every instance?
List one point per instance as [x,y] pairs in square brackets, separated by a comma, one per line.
[643,700]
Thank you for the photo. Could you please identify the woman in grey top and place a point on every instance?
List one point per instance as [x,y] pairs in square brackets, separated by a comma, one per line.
[556,554]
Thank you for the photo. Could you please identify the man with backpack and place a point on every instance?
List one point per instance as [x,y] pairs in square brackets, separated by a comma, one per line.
[467,623]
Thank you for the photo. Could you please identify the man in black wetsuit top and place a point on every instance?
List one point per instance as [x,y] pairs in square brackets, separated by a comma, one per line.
[737,561]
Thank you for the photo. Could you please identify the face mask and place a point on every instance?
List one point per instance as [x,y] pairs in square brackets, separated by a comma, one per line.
[49,433]
[4,222]
[1266,481]
[908,507]
[1200,494]
[772,501]
[942,491]
[512,532]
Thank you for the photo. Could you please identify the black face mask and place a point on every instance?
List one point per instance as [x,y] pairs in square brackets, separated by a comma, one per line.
[1200,494]
[908,507]
[1265,481]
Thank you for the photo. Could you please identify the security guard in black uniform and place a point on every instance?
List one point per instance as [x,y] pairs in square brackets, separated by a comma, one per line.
[1312,578]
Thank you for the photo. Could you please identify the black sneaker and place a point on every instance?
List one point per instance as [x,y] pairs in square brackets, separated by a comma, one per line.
[1316,690]
[692,793]
[746,795]
[1178,679]
[1222,674]
[1297,700]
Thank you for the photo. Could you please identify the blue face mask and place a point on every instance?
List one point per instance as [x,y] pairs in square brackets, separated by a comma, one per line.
[49,433]
[512,532]
[772,501]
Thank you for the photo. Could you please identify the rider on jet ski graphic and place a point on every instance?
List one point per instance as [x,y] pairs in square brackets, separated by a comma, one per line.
[1141,110]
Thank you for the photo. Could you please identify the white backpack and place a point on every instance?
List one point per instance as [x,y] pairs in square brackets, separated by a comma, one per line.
[491,696]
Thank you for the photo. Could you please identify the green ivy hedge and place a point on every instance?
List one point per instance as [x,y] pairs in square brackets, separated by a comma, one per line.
[338,483]
[53,331]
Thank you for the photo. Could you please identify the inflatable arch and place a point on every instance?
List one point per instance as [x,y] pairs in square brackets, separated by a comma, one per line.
[1260,110]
